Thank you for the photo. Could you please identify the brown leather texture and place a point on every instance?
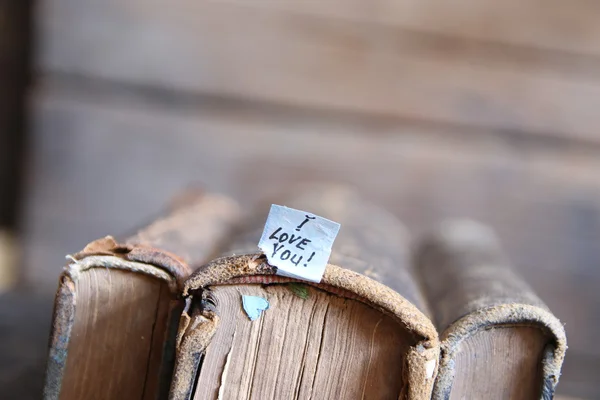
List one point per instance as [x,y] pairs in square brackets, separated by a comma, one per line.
[194,230]
[62,321]
[195,337]
[371,241]
[106,252]
[471,287]
[102,253]
[371,251]
[189,234]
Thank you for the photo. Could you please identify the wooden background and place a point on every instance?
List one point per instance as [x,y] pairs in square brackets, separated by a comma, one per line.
[435,109]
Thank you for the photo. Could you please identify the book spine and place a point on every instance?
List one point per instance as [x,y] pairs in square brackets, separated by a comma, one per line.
[371,241]
[470,286]
[62,322]
[165,249]
[195,228]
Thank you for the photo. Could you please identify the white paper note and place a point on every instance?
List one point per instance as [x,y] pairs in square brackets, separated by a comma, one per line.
[298,243]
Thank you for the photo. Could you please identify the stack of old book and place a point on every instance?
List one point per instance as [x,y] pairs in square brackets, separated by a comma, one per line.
[188,308]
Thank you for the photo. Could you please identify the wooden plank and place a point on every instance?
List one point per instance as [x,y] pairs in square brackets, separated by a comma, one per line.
[104,163]
[545,24]
[364,60]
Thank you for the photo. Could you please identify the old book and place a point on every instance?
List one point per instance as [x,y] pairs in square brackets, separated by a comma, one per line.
[117,306]
[499,341]
[347,337]
[364,331]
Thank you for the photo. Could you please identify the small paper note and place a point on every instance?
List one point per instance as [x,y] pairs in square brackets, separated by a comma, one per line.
[298,243]
[254,306]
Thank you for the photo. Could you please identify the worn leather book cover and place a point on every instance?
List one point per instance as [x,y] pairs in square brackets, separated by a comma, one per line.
[118,304]
[131,322]
[347,337]
[499,340]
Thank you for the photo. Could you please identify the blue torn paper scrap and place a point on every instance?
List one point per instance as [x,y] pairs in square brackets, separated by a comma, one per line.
[254,306]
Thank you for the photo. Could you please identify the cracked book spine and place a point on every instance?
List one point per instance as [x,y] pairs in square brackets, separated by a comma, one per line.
[118,303]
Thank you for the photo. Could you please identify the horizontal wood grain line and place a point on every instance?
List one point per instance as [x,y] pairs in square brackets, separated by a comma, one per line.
[545,24]
[271,54]
[180,101]
[108,163]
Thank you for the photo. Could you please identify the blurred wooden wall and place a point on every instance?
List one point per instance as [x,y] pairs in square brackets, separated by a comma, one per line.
[437,109]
